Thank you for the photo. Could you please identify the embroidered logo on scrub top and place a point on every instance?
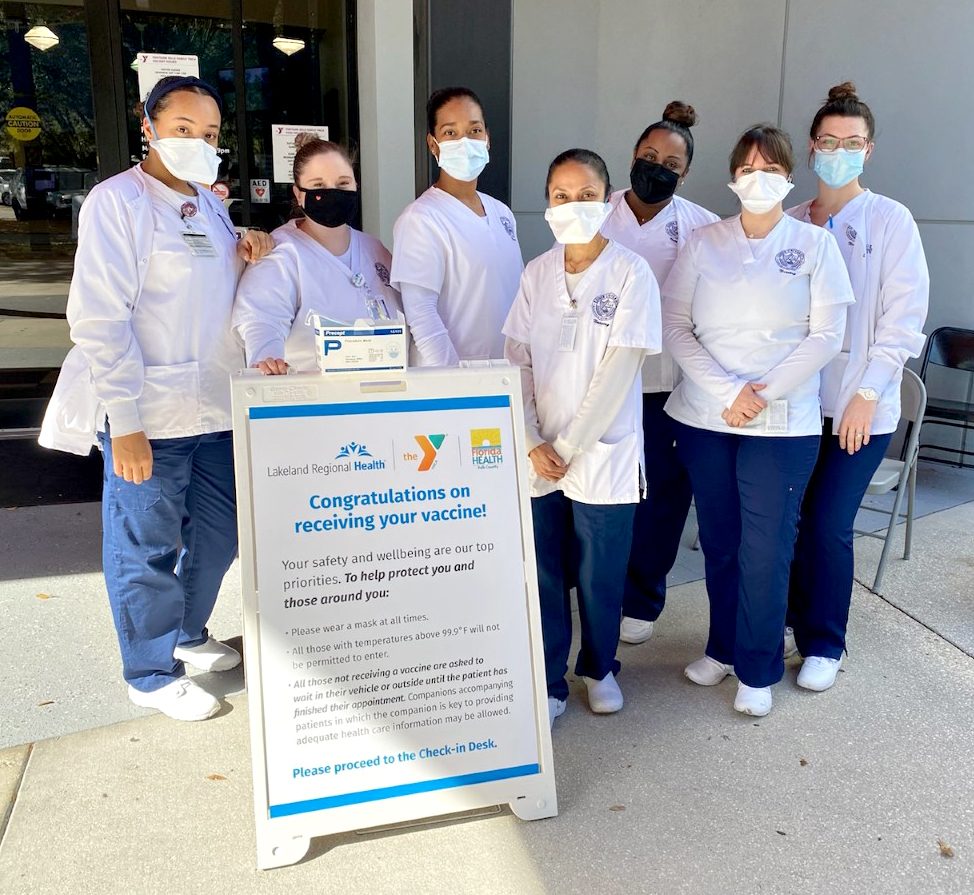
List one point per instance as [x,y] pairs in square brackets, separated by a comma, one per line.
[850,234]
[604,308]
[790,260]
[673,231]
[508,227]
[382,271]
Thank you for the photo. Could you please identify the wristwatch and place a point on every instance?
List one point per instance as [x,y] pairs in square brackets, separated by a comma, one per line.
[869,394]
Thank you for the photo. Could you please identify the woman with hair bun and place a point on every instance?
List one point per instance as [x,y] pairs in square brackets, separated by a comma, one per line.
[320,263]
[881,247]
[753,308]
[650,220]
[585,315]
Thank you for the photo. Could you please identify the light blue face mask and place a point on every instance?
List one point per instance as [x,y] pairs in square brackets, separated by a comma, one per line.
[836,169]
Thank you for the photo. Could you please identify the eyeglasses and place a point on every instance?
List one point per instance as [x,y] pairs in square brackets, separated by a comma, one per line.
[829,143]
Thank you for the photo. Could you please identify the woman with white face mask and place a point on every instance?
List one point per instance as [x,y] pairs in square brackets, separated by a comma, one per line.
[753,308]
[586,314]
[455,257]
[149,308]
[881,247]
[654,222]
[320,263]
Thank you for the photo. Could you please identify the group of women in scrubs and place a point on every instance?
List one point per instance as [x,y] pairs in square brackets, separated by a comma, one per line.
[634,403]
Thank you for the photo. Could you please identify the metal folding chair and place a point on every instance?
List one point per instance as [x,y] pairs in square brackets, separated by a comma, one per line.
[900,474]
[952,349]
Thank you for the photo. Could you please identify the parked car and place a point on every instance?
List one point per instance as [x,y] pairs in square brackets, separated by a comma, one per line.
[6,176]
[47,192]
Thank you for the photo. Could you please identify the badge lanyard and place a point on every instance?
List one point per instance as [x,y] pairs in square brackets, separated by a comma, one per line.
[198,242]
[569,327]
[376,306]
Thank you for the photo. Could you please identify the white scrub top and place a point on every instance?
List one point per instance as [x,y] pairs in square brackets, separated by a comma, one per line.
[299,276]
[616,304]
[881,246]
[658,241]
[471,264]
[739,310]
[149,316]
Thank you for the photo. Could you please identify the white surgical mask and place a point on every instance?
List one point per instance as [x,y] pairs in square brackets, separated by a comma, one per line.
[187,158]
[576,223]
[463,159]
[760,191]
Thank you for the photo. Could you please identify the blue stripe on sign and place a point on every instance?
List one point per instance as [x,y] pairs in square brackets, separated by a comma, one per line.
[476,403]
[407,789]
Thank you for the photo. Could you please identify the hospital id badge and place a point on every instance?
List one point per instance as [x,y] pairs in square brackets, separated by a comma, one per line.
[569,328]
[776,419]
[199,244]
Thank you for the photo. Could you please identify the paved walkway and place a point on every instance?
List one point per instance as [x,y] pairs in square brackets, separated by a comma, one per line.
[862,789]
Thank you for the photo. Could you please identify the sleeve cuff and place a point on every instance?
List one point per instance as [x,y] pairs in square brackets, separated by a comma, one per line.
[879,373]
[532,438]
[123,417]
[564,450]
[730,392]
[273,348]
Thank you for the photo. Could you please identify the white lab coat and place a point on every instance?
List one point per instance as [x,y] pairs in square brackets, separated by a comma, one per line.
[658,241]
[737,310]
[617,305]
[150,321]
[891,283]
[300,276]
[465,270]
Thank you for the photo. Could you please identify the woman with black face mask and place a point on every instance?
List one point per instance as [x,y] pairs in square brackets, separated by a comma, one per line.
[320,263]
[652,221]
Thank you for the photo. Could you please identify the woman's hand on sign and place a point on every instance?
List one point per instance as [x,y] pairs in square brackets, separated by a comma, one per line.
[253,245]
[272,366]
[547,463]
[132,457]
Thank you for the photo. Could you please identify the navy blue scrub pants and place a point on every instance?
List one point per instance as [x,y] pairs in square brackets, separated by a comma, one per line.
[748,490]
[822,571]
[660,519]
[586,545]
[166,546]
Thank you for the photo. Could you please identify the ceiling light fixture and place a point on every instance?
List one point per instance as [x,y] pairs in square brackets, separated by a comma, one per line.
[288,45]
[42,37]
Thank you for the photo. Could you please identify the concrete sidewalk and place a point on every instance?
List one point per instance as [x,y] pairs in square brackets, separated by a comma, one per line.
[849,791]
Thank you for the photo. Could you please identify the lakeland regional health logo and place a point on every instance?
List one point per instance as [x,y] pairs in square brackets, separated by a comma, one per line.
[355,457]
[485,448]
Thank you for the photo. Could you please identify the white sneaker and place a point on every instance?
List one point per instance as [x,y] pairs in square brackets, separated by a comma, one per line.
[181,700]
[604,696]
[753,700]
[556,708]
[791,648]
[707,671]
[209,656]
[818,673]
[635,630]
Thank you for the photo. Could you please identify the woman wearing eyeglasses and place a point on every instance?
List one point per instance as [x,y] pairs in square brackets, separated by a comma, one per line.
[860,393]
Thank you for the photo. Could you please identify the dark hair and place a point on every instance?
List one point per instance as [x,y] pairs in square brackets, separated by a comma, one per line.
[308,146]
[439,98]
[772,142]
[678,118]
[584,157]
[159,97]
[844,101]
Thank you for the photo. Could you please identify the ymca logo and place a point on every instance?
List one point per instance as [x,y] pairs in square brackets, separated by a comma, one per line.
[485,448]
[430,445]
[352,450]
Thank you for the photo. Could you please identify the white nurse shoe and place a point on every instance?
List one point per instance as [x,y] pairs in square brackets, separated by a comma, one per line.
[635,630]
[753,700]
[818,673]
[707,672]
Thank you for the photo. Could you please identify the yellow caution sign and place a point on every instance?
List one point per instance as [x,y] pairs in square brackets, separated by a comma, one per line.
[23,124]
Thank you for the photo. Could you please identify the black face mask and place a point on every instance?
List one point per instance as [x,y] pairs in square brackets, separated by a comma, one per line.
[651,182]
[330,208]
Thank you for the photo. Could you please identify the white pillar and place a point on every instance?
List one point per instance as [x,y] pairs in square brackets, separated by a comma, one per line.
[385,78]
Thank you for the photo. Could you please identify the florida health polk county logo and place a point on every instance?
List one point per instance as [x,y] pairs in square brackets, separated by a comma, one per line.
[485,448]
[790,260]
[430,446]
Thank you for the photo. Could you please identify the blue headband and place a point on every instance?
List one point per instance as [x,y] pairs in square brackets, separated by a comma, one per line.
[165,87]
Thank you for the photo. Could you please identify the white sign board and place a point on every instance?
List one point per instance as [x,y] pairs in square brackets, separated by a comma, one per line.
[392,634]
[155,66]
[282,146]
[260,190]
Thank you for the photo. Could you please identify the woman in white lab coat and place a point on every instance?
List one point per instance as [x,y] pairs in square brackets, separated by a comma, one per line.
[651,220]
[149,308]
[881,247]
[320,263]
[753,308]
[585,315]
[455,256]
